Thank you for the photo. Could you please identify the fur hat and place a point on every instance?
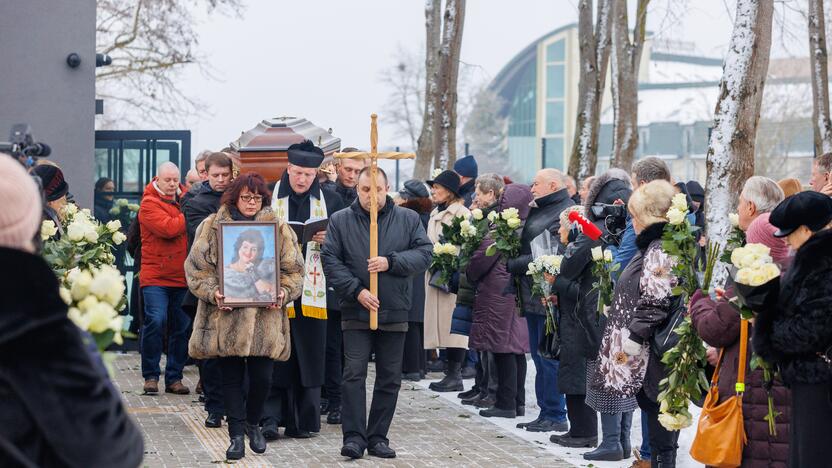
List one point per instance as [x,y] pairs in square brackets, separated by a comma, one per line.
[21,202]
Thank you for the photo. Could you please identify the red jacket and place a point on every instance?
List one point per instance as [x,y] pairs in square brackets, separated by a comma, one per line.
[164,240]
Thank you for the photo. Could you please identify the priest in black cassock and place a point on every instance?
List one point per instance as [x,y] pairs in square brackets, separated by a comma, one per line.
[295,398]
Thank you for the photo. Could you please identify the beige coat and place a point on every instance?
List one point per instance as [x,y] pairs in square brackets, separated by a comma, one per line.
[245,331]
[439,306]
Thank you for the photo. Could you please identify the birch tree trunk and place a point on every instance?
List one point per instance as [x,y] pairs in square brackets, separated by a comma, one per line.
[444,136]
[594,57]
[731,148]
[821,124]
[625,61]
[425,149]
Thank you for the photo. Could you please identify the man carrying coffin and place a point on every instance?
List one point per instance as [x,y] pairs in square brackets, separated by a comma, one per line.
[295,397]
[404,250]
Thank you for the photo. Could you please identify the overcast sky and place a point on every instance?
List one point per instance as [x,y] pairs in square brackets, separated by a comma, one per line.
[321,59]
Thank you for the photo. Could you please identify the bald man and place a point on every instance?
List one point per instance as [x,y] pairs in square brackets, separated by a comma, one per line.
[163,286]
[551,197]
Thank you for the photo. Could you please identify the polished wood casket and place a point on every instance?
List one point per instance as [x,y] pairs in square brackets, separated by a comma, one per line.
[263,148]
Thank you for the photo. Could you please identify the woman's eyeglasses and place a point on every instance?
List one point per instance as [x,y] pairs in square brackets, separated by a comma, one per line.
[251,198]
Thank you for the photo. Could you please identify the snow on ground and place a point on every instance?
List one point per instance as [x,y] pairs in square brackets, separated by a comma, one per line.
[570,455]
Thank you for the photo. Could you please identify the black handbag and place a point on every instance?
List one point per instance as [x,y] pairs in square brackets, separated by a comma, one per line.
[549,345]
[664,338]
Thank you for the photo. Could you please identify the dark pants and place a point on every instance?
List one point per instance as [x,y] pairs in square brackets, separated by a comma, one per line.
[248,408]
[511,379]
[662,441]
[296,408]
[552,404]
[811,425]
[210,373]
[388,347]
[163,308]
[334,355]
[583,420]
[456,355]
[414,351]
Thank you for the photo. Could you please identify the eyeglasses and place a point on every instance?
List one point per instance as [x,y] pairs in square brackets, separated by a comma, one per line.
[257,199]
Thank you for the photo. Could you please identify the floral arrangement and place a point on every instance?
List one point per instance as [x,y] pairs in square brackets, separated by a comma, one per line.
[86,243]
[603,269]
[445,260]
[539,268]
[120,205]
[736,238]
[686,361]
[436,172]
[95,297]
[472,231]
[504,232]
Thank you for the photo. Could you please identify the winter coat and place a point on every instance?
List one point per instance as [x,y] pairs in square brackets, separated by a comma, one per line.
[402,239]
[497,327]
[348,195]
[423,207]
[544,215]
[164,240]
[718,323]
[58,408]
[101,207]
[439,305]
[247,331]
[201,202]
[467,192]
[800,327]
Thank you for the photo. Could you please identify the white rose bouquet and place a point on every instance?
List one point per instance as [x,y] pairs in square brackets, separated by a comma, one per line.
[445,261]
[736,238]
[603,269]
[86,243]
[472,232]
[539,268]
[504,226]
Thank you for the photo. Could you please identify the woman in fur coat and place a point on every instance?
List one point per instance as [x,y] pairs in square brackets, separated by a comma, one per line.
[248,339]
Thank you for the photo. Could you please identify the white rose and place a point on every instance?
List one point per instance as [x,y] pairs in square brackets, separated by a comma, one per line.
[114,225]
[108,285]
[437,249]
[492,216]
[91,236]
[77,318]
[66,296]
[608,256]
[81,285]
[597,253]
[436,173]
[76,230]
[48,229]
[122,202]
[510,213]
[476,214]
[99,317]
[87,213]
[513,223]
[133,207]
[115,210]
[118,238]
[88,303]
[675,216]
[735,219]
[680,202]
[70,209]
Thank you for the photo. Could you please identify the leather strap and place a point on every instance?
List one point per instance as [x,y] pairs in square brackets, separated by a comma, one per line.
[741,362]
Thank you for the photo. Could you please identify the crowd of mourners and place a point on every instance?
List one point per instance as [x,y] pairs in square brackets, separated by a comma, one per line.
[304,358]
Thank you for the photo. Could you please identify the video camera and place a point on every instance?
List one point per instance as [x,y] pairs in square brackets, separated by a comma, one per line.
[23,147]
[615,220]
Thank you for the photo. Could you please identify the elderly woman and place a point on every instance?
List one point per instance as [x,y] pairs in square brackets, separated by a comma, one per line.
[246,340]
[439,304]
[497,327]
[718,323]
[249,276]
[796,335]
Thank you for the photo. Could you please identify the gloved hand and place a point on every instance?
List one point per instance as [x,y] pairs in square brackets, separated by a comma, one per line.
[632,348]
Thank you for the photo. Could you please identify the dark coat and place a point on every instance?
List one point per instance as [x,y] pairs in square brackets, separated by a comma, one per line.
[101,208]
[348,195]
[57,408]
[423,207]
[497,327]
[544,215]
[718,323]
[801,326]
[402,239]
[199,203]
[467,192]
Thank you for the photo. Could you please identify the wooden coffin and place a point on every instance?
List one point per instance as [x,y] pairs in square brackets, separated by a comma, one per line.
[263,148]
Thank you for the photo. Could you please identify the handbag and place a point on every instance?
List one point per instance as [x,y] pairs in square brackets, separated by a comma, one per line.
[665,337]
[720,434]
[549,345]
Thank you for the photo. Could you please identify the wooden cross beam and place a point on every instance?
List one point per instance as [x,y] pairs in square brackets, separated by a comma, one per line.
[374,156]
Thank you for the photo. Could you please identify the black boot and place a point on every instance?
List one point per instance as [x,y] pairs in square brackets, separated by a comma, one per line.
[452,382]
[667,459]
[255,438]
[237,449]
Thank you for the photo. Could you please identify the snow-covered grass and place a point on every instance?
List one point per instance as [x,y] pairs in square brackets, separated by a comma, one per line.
[570,455]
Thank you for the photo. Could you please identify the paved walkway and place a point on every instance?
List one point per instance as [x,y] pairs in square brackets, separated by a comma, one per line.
[427,431]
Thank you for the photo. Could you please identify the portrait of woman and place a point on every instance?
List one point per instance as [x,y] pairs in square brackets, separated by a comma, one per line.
[249,270]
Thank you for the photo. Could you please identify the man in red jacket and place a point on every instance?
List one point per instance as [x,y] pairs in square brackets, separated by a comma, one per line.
[162,279]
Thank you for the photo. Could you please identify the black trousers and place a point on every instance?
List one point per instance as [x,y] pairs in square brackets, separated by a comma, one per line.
[583,420]
[388,348]
[456,355]
[249,408]
[511,380]
[296,408]
[210,374]
[334,357]
[811,425]
[414,353]
[662,441]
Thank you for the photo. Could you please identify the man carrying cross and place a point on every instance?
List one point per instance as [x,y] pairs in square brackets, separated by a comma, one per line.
[404,250]
[295,399]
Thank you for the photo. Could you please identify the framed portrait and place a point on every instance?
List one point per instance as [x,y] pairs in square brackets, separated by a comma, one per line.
[249,265]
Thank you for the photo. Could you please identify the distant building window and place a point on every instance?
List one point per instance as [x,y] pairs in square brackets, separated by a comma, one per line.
[554,117]
[556,51]
[555,78]
[553,154]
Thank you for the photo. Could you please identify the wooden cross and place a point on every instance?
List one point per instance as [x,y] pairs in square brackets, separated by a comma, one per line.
[374,156]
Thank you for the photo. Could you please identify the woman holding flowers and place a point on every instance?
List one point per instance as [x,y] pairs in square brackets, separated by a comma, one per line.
[796,335]
[497,327]
[245,340]
[439,304]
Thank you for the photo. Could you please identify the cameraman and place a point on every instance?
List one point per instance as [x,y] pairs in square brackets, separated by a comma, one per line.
[55,190]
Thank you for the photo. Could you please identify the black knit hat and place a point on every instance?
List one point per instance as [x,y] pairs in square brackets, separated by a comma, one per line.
[810,209]
[52,180]
[414,189]
[449,180]
[305,154]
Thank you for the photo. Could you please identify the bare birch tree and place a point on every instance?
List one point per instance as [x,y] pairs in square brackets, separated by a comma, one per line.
[821,124]
[444,128]
[625,61]
[594,57]
[731,149]
[425,149]
[405,104]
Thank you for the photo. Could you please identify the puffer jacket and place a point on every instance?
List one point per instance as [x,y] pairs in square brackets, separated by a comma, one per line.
[164,239]
[248,331]
[497,327]
[718,323]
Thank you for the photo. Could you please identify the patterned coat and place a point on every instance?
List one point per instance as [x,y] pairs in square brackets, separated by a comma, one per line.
[246,331]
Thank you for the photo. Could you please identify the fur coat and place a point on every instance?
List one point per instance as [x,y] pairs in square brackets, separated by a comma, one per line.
[246,331]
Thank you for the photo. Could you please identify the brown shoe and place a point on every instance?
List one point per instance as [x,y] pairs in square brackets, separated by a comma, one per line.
[177,388]
[639,463]
[199,387]
[151,387]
